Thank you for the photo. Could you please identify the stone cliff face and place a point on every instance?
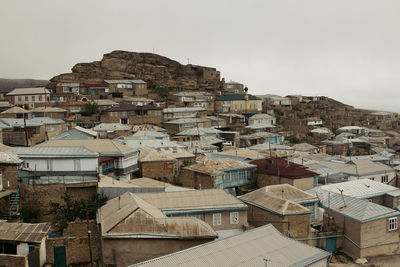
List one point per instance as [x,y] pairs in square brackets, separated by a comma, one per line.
[156,70]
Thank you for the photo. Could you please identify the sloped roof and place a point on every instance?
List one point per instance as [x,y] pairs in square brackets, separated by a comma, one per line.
[362,188]
[289,192]
[74,134]
[261,116]
[283,168]
[357,167]
[273,203]
[242,153]
[218,166]
[199,131]
[185,109]
[131,107]
[148,154]
[130,216]
[250,248]
[304,147]
[15,110]
[149,133]
[54,152]
[102,146]
[105,102]
[235,97]
[124,81]
[145,182]
[187,120]
[29,91]
[360,210]
[208,199]
[23,232]
[8,157]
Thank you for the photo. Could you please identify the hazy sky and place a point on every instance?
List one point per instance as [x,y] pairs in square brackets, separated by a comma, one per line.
[345,49]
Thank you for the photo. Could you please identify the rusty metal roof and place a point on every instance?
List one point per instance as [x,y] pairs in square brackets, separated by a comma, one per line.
[24,232]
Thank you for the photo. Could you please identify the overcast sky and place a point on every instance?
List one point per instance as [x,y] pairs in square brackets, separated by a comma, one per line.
[345,49]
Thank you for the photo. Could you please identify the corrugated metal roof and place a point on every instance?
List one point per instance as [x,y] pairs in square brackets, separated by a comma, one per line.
[9,157]
[20,122]
[270,201]
[23,232]
[251,248]
[47,120]
[54,152]
[357,167]
[153,143]
[360,210]
[208,199]
[236,97]
[199,131]
[289,192]
[73,134]
[187,120]
[15,110]
[102,146]
[49,109]
[362,188]
[149,133]
[130,216]
[124,81]
[304,147]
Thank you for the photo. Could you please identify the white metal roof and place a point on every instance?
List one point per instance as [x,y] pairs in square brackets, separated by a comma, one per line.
[188,109]
[248,249]
[54,152]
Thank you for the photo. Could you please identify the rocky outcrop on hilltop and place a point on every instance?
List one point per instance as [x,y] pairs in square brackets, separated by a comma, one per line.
[156,70]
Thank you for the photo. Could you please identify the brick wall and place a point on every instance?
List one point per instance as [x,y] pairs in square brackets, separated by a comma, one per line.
[159,170]
[189,178]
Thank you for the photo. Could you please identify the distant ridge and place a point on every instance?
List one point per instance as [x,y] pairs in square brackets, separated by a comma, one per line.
[7,85]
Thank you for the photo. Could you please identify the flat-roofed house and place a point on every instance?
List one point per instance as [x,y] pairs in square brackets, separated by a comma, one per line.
[262,246]
[218,173]
[133,230]
[216,207]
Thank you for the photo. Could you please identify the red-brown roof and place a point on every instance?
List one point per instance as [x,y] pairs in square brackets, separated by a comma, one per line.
[283,168]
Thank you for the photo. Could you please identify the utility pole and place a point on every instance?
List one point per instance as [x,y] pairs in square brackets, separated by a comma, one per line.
[26,133]
[88,231]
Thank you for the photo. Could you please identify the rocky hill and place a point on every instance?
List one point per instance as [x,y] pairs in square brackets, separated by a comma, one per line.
[156,70]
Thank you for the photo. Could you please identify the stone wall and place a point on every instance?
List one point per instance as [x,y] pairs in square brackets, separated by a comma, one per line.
[163,170]
[189,178]
[13,260]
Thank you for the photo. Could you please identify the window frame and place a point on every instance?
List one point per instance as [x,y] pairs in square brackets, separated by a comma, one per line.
[392,224]
[216,220]
[233,215]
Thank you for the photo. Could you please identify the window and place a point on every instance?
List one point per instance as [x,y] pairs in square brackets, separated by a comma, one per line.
[27,164]
[19,99]
[217,219]
[198,216]
[33,98]
[40,98]
[385,178]
[234,217]
[392,224]
[77,164]
[372,178]
[49,165]
[26,99]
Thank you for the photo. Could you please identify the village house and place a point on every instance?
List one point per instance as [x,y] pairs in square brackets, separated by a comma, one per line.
[262,246]
[163,163]
[220,173]
[219,209]
[179,125]
[238,103]
[216,122]
[262,119]
[4,105]
[96,90]
[127,87]
[74,109]
[368,229]
[51,112]
[195,134]
[275,100]
[305,147]
[138,101]
[115,159]
[290,218]
[132,114]
[183,113]
[20,132]
[240,154]
[23,244]
[49,172]
[233,88]
[194,99]
[15,113]
[273,171]
[234,122]
[130,226]
[105,104]
[69,87]
[29,96]
[357,169]
[314,121]
[58,98]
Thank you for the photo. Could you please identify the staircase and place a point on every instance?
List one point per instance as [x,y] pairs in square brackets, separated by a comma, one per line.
[13,200]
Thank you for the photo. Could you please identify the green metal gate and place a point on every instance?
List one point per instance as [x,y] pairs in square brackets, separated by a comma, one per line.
[60,257]
[331,244]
